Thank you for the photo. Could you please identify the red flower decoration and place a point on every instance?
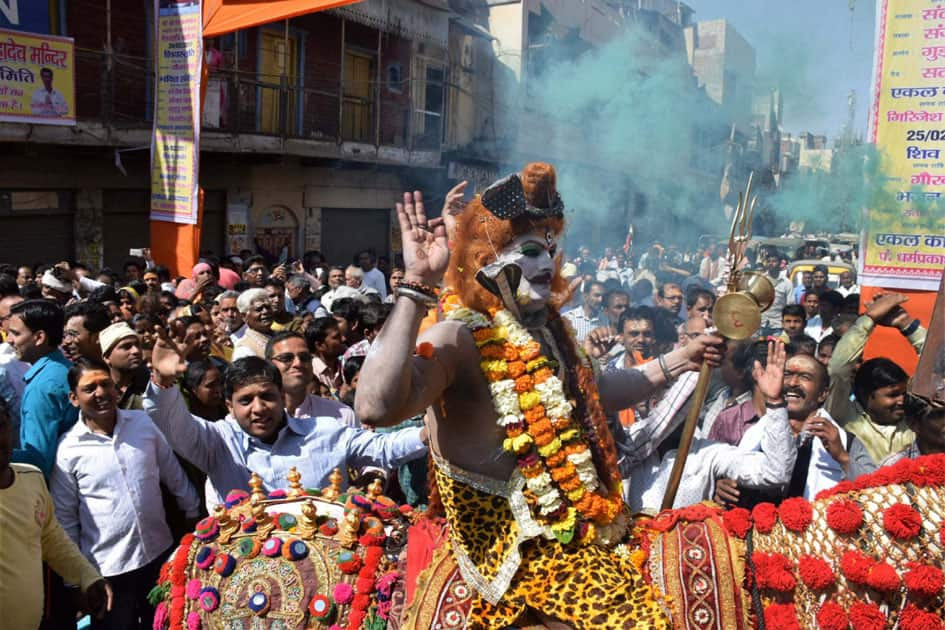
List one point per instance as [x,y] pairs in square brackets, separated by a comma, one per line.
[930,471]
[923,471]
[764,515]
[883,577]
[815,573]
[737,521]
[914,618]
[697,513]
[844,516]
[796,513]
[941,534]
[924,580]
[832,616]
[865,616]
[902,521]
[856,566]
[773,570]
[782,617]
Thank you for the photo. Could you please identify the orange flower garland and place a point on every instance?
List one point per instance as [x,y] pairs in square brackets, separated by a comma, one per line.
[554,457]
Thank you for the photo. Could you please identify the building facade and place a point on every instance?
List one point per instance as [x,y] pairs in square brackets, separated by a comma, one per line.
[312,129]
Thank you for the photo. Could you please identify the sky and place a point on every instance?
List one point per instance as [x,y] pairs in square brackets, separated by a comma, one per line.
[816,50]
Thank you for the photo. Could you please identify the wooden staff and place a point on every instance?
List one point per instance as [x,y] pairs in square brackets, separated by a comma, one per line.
[734,301]
[689,430]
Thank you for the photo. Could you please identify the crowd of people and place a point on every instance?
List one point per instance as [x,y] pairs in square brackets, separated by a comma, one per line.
[141,401]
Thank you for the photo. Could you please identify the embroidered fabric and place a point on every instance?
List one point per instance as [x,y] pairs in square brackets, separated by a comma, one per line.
[512,490]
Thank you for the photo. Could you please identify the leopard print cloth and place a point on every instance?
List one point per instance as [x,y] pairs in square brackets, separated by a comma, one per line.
[582,586]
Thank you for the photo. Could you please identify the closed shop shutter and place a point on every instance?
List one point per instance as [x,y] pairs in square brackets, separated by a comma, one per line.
[347,231]
[125,213]
[36,226]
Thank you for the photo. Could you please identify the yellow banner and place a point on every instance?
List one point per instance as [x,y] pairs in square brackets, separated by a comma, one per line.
[175,141]
[904,238]
[37,82]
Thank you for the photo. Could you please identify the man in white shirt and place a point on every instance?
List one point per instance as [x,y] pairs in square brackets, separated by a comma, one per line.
[106,487]
[826,453]
[588,316]
[709,460]
[373,277]
[47,101]
[771,318]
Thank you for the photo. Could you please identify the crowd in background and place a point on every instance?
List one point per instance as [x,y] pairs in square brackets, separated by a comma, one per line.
[143,400]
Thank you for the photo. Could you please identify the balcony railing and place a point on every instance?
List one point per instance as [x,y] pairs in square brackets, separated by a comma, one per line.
[117,91]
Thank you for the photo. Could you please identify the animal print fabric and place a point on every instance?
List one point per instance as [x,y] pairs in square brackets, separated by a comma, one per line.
[582,586]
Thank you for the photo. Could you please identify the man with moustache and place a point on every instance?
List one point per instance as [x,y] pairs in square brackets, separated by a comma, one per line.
[826,454]
[121,350]
[257,312]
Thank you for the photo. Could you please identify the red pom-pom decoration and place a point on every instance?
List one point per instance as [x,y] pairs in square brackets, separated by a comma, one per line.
[924,580]
[883,577]
[782,617]
[764,515]
[914,618]
[865,616]
[902,521]
[737,521]
[832,616]
[856,566]
[773,570]
[815,573]
[796,513]
[844,516]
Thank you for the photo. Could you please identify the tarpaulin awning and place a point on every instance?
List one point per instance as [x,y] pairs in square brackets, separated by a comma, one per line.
[225,16]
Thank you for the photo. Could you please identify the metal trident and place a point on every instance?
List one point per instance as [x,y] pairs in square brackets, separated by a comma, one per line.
[740,233]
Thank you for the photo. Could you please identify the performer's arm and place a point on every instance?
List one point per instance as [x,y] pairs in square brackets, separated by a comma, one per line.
[624,388]
[402,384]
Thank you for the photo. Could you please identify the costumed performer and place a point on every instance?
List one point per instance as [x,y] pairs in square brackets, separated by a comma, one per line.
[525,466]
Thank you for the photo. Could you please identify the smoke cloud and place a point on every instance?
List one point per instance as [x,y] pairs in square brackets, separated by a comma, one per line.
[627,108]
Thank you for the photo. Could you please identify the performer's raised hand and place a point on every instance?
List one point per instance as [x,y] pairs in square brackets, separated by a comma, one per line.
[453,205]
[426,252]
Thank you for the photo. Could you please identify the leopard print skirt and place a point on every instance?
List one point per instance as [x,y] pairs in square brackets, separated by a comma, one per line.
[582,586]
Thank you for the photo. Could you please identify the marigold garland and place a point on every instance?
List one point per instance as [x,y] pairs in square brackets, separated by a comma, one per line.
[832,616]
[555,452]
[844,516]
[866,616]
[796,513]
[902,521]
[816,573]
[924,580]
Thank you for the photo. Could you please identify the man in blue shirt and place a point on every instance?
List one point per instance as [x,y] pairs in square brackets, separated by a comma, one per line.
[259,436]
[35,332]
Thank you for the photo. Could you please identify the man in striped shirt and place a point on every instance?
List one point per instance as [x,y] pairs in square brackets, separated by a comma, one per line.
[588,316]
